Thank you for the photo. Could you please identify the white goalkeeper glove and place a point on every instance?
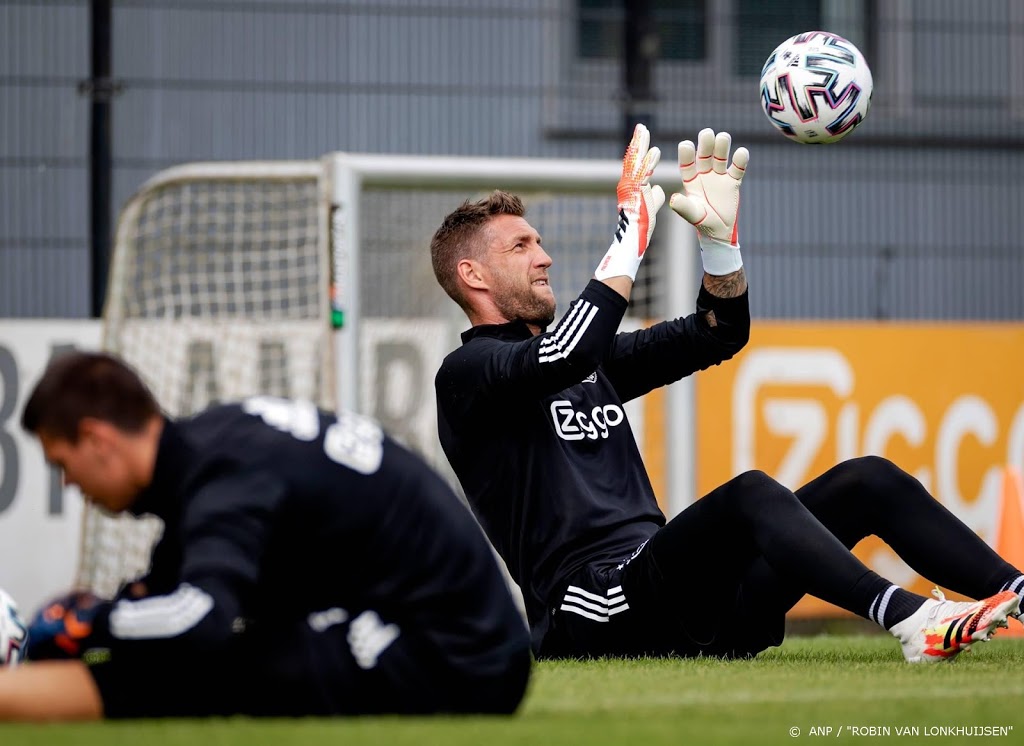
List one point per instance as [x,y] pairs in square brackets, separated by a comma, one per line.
[639,203]
[711,198]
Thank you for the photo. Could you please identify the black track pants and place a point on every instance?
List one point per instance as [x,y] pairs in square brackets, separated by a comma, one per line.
[719,577]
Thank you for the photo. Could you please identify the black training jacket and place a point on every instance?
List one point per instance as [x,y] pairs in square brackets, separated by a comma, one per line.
[535,430]
[276,512]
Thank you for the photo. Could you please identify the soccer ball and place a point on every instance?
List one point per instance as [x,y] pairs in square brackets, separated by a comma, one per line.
[13,632]
[816,87]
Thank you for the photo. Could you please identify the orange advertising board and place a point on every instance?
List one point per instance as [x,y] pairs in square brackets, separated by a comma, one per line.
[943,401]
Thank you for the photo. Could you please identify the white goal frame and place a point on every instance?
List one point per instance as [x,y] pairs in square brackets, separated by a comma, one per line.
[348,174]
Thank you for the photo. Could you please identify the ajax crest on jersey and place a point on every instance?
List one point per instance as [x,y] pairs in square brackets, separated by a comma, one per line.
[816,87]
[13,632]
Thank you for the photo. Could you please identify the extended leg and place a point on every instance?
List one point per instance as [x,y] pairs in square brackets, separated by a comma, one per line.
[703,556]
[871,496]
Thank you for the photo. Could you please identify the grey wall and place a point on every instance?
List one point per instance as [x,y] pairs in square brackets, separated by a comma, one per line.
[919,214]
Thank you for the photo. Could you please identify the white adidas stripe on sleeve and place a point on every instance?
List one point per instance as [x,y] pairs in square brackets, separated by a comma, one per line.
[160,616]
[567,322]
[567,345]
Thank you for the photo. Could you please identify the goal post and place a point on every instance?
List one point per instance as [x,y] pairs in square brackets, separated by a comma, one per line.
[312,279]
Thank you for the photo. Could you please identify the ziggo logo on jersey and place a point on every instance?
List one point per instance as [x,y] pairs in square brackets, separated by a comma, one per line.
[573,425]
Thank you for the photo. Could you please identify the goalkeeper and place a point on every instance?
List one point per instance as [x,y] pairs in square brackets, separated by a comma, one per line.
[309,565]
[531,419]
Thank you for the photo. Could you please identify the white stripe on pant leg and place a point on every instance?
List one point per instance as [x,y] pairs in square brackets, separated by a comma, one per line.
[587,614]
[593,606]
[576,590]
[598,608]
[614,600]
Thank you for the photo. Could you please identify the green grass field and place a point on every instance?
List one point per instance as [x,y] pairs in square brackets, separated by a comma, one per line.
[821,682]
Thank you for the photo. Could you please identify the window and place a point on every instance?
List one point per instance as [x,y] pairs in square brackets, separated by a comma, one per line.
[681,27]
[761,26]
[706,63]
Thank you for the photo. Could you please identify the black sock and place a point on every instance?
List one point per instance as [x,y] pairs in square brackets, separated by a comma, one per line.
[893,605]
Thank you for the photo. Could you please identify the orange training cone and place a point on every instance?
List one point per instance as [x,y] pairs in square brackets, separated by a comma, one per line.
[1010,536]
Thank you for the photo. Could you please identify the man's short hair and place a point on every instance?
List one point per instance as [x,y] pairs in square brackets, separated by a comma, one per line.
[77,385]
[459,234]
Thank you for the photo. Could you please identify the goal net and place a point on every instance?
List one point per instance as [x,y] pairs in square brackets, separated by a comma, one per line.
[223,278]
[218,290]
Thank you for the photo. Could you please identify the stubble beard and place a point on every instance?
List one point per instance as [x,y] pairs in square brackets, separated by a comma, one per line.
[526,307]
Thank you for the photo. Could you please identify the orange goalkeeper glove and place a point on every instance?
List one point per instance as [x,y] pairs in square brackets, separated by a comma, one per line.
[61,627]
[639,203]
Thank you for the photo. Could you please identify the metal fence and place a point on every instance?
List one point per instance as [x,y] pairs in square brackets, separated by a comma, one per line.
[917,215]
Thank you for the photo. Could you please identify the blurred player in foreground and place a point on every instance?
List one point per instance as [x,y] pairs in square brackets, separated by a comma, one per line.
[531,420]
[309,566]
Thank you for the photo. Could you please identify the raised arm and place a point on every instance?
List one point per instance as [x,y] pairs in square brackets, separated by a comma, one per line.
[638,204]
[661,354]
[492,369]
[710,200]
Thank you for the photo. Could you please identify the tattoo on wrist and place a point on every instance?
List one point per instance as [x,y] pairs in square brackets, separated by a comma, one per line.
[731,285]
